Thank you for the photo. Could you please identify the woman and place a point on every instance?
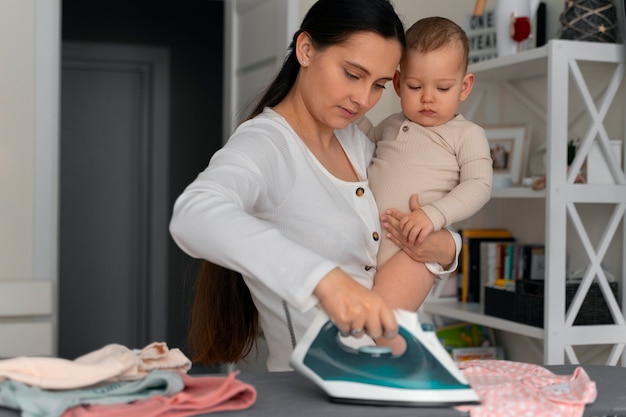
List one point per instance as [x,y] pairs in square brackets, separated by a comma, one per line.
[286,202]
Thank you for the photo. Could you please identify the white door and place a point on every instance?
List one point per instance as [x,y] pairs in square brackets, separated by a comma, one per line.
[256,36]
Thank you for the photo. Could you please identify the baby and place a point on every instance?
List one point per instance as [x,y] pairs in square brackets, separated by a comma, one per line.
[430,150]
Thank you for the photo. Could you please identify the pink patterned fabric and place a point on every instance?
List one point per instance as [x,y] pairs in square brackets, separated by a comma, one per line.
[517,389]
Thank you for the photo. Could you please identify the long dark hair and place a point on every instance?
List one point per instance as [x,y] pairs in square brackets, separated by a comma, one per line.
[224,320]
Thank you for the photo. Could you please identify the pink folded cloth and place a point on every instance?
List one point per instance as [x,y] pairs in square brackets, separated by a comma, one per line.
[508,388]
[201,395]
[111,363]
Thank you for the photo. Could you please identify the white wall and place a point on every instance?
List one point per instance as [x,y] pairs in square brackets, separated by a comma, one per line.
[29,39]
[17,135]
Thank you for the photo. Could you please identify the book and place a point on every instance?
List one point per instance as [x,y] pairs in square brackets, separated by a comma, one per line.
[476,353]
[534,263]
[525,261]
[470,259]
[475,258]
[489,259]
[463,335]
[508,261]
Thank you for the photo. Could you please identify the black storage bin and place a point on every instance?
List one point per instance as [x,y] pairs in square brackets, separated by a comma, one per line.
[529,302]
[525,304]
[499,303]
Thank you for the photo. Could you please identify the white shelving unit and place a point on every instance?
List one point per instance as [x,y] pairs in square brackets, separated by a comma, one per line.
[560,62]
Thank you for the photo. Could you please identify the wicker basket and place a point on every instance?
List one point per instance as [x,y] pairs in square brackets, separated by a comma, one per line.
[589,20]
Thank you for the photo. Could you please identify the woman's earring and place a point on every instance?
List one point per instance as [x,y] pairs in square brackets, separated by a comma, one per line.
[303,62]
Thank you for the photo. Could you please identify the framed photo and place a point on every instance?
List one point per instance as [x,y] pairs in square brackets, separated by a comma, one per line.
[509,152]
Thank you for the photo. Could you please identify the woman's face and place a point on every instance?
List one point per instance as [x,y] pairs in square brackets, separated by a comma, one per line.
[341,83]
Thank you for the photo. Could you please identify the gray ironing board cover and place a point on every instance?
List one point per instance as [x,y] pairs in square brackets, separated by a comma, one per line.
[283,394]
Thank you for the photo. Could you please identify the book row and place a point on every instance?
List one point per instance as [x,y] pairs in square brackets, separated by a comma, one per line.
[494,257]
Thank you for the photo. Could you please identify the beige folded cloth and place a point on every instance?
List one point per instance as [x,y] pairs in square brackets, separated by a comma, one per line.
[112,362]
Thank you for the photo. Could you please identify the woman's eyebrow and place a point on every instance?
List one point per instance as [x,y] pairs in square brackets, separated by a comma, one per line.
[365,70]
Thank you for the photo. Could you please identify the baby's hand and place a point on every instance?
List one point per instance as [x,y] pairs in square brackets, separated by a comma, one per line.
[416,226]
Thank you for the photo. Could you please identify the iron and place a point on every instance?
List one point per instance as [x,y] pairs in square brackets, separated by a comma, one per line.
[424,375]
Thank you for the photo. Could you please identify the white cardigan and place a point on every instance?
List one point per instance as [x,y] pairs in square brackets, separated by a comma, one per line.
[267,208]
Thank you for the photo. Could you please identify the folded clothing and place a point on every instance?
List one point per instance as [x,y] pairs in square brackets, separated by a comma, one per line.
[38,402]
[110,363]
[201,395]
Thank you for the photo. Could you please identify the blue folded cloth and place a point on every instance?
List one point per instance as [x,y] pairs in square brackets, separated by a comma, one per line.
[36,402]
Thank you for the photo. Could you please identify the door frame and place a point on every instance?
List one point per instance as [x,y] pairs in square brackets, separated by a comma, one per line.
[46,158]
[240,63]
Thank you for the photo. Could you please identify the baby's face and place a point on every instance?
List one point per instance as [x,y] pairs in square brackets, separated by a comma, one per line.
[431,85]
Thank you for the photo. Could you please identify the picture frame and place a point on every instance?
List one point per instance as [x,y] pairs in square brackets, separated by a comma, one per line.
[509,152]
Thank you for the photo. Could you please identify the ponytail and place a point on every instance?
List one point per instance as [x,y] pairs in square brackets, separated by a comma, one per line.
[224,320]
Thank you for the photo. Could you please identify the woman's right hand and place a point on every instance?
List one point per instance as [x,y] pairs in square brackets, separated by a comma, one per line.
[353,307]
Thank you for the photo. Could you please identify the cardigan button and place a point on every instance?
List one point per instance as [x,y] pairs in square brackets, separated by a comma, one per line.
[405,128]
[375,236]
[360,191]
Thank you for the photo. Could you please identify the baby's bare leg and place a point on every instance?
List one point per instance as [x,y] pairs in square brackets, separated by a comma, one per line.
[404,284]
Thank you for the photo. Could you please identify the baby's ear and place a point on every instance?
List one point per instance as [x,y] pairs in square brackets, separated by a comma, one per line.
[396,82]
[466,87]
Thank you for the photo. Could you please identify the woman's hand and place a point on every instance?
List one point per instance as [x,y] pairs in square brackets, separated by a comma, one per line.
[354,308]
[439,247]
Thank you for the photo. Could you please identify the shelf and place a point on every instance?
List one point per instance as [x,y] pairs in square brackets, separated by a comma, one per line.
[517,192]
[602,193]
[595,74]
[579,193]
[533,62]
[470,312]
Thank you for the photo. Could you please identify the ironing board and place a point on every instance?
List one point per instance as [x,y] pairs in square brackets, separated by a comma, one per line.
[289,394]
